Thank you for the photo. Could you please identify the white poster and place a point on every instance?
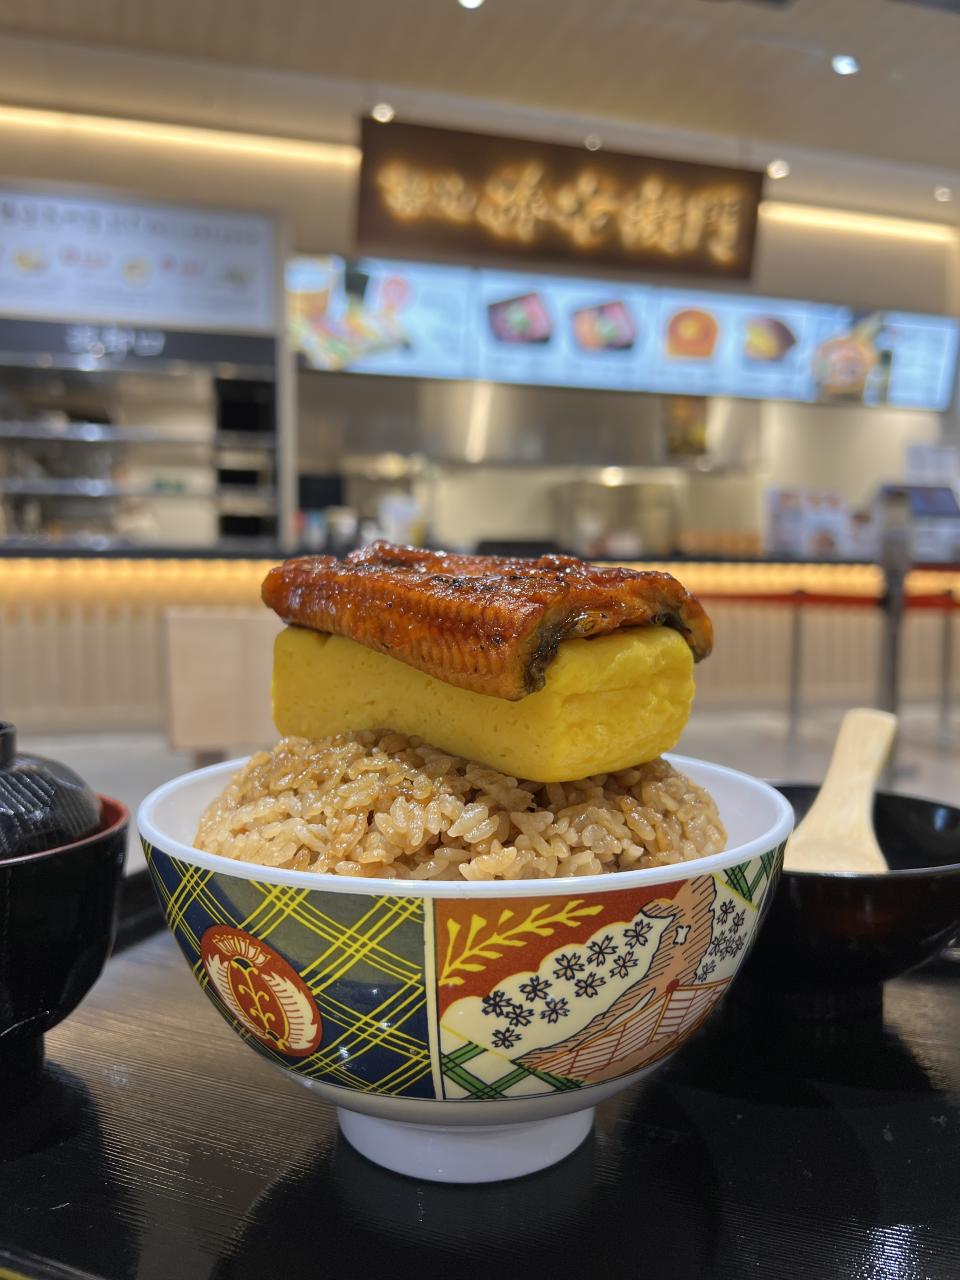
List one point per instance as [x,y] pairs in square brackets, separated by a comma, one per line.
[65,258]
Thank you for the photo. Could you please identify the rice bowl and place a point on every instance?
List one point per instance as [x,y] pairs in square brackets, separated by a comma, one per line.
[373,994]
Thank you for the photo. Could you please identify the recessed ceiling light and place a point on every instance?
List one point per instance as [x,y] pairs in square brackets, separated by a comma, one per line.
[383,113]
[845,64]
[778,168]
[593,142]
[943,194]
[470,4]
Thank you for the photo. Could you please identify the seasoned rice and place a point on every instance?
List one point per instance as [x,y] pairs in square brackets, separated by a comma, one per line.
[386,805]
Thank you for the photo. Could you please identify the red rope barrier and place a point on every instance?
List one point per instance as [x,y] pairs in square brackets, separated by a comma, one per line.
[945,602]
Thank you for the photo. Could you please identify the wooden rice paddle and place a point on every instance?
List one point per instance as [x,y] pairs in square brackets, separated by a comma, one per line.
[837,833]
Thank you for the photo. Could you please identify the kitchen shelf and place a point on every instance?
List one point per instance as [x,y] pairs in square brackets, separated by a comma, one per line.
[87,487]
[93,433]
[225,371]
[236,459]
[241,500]
[99,433]
[91,545]
[260,440]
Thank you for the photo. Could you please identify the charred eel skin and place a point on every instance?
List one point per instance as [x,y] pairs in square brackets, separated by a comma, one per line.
[486,623]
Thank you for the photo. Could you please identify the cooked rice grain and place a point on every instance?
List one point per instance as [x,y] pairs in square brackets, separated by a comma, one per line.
[385,805]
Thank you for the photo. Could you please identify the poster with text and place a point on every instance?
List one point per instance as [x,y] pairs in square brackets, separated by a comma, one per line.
[66,258]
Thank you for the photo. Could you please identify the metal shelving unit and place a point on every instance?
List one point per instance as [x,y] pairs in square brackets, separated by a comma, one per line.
[97,543]
[239,498]
[245,456]
[90,487]
[97,433]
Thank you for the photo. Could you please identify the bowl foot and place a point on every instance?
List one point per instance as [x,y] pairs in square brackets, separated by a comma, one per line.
[465,1153]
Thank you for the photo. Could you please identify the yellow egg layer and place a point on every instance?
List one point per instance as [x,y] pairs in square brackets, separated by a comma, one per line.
[608,703]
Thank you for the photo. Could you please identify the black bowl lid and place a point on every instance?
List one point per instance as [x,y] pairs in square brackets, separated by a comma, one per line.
[43,804]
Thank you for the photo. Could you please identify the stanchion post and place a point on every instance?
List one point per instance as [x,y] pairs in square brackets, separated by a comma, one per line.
[888,693]
[946,666]
[795,670]
[896,560]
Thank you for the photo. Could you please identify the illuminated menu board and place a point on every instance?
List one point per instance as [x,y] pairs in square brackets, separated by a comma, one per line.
[428,321]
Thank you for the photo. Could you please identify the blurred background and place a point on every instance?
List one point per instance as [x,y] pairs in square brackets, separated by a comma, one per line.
[670,282]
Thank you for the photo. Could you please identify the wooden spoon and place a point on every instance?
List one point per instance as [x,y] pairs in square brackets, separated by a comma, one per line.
[837,833]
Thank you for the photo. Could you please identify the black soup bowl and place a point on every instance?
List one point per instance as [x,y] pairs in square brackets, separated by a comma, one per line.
[58,915]
[831,940]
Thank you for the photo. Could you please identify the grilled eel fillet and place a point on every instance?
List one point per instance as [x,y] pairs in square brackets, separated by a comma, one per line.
[485,623]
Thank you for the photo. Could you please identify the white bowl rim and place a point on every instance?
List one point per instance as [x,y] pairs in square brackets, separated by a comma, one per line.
[327,882]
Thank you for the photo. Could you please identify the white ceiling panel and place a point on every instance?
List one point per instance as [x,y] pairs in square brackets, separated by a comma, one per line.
[738,69]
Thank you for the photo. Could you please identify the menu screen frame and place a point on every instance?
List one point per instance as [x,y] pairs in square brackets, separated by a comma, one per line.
[431,320]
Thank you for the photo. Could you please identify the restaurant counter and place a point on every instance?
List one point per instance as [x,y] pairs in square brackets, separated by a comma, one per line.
[83,635]
[220,551]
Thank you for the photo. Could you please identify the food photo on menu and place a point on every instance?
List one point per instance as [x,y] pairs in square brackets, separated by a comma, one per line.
[691,334]
[767,339]
[607,327]
[30,262]
[887,357]
[520,320]
[854,367]
[339,314]
[834,355]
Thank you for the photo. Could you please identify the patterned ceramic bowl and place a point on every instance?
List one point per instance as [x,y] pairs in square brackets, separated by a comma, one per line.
[466,1031]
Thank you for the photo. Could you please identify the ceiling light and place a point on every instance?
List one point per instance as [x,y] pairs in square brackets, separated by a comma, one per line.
[943,194]
[383,113]
[148,131]
[593,142]
[778,169]
[803,215]
[470,4]
[845,64]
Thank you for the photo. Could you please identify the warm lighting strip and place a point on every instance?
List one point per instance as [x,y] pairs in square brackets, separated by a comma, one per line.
[806,215]
[48,582]
[180,136]
[38,581]
[337,153]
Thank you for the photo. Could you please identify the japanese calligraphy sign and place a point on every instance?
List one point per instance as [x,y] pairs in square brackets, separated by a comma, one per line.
[440,190]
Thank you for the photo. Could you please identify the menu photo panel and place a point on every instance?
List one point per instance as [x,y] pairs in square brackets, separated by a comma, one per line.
[434,321]
[370,316]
